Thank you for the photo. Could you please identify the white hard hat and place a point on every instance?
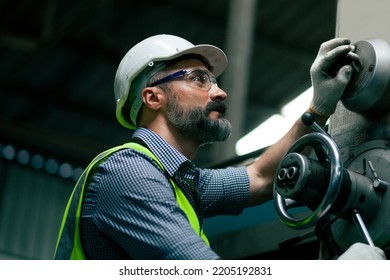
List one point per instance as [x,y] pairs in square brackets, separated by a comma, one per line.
[139,64]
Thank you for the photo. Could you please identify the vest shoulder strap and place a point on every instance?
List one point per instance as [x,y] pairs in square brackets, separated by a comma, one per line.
[69,244]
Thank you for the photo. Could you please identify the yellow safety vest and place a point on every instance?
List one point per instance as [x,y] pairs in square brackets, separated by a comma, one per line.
[69,243]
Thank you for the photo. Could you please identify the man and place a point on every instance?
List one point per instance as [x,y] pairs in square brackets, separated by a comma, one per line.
[146,199]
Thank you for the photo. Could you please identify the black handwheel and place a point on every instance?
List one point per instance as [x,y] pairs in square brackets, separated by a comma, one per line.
[332,154]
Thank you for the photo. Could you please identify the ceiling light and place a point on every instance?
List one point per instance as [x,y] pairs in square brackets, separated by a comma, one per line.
[272,129]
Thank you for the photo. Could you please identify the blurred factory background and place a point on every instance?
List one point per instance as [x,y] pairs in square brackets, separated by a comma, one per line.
[57,65]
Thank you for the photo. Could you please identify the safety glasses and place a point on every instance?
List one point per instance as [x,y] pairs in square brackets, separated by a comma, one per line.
[200,78]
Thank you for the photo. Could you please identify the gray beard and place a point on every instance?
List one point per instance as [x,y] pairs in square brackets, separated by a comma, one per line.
[196,125]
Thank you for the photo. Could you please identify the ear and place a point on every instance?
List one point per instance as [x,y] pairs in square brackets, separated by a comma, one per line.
[153,97]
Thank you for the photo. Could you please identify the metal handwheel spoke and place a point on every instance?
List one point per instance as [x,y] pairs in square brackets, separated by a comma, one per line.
[321,142]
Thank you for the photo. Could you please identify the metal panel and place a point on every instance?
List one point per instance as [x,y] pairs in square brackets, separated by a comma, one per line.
[362,19]
[31,207]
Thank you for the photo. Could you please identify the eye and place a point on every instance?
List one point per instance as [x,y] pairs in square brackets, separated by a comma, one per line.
[198,76]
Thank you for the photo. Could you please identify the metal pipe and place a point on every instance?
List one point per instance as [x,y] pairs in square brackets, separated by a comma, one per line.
[362,227]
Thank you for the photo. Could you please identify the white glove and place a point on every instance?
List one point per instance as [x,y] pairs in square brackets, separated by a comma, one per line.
[327,89]
[360,251]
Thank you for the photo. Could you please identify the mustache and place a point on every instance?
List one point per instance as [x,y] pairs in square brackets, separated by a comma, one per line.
[218,106]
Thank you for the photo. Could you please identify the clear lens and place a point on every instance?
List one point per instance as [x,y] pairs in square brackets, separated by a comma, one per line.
[200,78]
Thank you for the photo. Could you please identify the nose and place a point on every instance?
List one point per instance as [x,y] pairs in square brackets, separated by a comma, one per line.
[216,93]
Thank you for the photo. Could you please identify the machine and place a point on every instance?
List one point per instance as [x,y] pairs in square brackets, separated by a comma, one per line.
[335,182]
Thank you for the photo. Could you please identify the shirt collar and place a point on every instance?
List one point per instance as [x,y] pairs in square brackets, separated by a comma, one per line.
[170,158]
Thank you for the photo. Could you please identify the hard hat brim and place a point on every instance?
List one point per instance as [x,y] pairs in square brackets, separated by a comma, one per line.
[215,57]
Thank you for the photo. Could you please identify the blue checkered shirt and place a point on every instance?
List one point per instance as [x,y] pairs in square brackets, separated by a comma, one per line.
[130,211]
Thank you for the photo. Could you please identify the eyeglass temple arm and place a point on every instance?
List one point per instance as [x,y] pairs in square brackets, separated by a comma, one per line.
[169,77]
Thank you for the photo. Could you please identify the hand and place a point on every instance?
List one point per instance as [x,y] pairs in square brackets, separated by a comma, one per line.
[360,251]
[328,89]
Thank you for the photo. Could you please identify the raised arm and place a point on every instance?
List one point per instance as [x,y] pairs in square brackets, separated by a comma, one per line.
[327,90]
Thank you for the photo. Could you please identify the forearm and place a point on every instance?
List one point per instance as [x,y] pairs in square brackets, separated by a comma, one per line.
[327,91]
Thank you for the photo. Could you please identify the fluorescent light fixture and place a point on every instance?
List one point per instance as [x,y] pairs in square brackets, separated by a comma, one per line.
[298,106]
[272,129]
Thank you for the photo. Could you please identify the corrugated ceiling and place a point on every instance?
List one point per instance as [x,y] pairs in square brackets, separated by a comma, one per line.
[58,59]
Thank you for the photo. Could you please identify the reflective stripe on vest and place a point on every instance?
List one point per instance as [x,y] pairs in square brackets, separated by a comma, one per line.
[69,243]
